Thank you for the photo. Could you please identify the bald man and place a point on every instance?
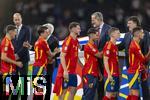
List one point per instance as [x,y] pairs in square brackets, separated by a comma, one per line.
[21,46]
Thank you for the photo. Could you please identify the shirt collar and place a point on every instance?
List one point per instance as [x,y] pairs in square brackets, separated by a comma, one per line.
[19,26]
[101,26]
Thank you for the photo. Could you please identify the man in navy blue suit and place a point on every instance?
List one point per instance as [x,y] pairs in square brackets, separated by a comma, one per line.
[133,22]
[97,22]
[21,46]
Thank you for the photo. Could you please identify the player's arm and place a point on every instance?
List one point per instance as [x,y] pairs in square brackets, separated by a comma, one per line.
[8,60]
[48,51]
[107,68]
[99,54]
[63,62]
[140,56]
[52,54]
[93,51]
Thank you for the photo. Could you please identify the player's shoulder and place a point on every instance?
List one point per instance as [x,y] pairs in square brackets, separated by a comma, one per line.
[67,40]
[107,26]
[108,45]
[87,46]
[132,45]
[5,41]
[25,27]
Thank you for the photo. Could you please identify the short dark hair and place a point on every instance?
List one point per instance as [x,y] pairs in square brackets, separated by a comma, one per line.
[136,29]
[41,29]
[135,19]
[92,31]
[10,28]
[73,24]
[111,30]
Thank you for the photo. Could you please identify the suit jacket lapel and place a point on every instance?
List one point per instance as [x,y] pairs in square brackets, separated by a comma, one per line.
[19,36]
[101,34]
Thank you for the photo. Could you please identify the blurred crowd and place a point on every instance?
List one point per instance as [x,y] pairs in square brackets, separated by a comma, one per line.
[61,12]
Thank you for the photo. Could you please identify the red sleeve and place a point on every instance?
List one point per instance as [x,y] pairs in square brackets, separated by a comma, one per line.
[45,46]
[4,46]
[66,45]
[90,50]
[106,50]
[140,55]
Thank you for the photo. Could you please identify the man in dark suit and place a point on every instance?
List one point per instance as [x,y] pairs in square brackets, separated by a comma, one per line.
[21,46]
[53,43]
[133,22]
[97,22]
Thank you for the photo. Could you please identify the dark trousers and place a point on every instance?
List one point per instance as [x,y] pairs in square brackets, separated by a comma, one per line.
[145,90]
[49,81]
[23,73]
[100,85]
[146,86]
[89,87]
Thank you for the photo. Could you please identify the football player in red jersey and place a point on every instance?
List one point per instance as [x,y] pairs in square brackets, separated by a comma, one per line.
[90,72]
[8,61]
[111,71]
[66,75]
[136,61]
[43,56]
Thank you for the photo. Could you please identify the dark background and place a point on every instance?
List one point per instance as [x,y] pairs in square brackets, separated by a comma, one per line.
[61,12]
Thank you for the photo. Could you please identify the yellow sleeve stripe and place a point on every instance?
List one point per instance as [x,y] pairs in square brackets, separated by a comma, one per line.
[90,45]
[36,52]
[109,45]
[68,64]
[132,59]
[90,70]
[41,53]
[7,43]
[68,40]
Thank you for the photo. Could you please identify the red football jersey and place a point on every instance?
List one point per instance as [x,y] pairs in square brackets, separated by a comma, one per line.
[91,61]
[136,57]
[7,47]
[41,57]
[111,51]
[70,47]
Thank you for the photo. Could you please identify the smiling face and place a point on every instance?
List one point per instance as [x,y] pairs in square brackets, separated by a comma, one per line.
[131,25]
[95,21]
[141,34]
[76,30]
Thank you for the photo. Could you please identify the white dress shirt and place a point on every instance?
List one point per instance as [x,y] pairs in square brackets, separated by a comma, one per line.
[18,30]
